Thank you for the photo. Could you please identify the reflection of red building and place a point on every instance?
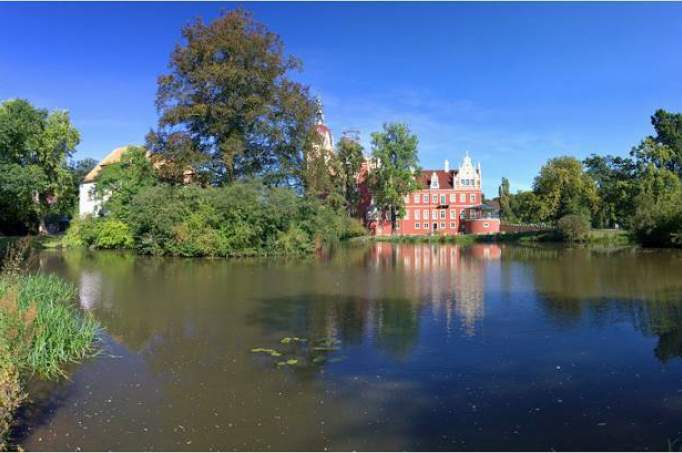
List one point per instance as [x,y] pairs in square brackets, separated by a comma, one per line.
[449,202]
[450,277]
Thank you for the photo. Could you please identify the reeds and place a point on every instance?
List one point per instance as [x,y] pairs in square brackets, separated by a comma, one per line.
[41,330]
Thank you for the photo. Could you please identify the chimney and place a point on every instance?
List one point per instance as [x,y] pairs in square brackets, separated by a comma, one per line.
[447,166]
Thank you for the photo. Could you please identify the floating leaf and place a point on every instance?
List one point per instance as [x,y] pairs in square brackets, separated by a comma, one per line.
[287,340]
[272,352]
[289,362]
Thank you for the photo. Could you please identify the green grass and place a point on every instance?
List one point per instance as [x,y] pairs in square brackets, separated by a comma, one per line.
[41,331]
[595,237]
[41,326]
[609,237]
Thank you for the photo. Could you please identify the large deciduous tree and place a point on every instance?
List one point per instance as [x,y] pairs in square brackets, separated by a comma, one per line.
[394,151]
[229,93]
[34,149]
[563,188]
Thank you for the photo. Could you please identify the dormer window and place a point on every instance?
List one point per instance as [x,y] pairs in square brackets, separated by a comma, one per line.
[434,181]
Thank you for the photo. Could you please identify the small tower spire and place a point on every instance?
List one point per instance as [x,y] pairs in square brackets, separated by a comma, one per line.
[319,111]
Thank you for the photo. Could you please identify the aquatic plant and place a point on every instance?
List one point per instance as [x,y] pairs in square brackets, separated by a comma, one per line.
[304,353]
[271,352]
[41,330]
[41,327]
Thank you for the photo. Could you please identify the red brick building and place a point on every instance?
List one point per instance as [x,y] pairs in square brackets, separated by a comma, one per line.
[449,202]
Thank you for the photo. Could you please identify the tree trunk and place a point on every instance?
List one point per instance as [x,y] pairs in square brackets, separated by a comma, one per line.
[392,220]
[42,227]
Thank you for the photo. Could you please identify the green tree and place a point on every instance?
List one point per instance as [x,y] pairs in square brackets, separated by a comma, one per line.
[616,186]
[82,167]
[350,154]
[526,206]
[668,127]
[120,182]
[395,152]
[229,92]
[563,188]
[504,195]
[34,148]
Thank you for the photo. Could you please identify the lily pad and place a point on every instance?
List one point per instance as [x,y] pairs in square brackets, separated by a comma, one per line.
[271,352]
[287,340]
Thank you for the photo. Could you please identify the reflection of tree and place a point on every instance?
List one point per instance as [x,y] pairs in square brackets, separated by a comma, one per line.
[397,326]
[643,286]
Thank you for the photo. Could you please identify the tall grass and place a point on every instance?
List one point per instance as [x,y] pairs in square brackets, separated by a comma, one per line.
[41,331]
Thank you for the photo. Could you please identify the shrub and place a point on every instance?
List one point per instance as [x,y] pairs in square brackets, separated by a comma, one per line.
[113,234]
[573,227]
[293,241]
[11,395]
[242,219]
[658,224]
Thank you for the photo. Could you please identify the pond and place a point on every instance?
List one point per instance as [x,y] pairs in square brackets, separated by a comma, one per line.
[379,347]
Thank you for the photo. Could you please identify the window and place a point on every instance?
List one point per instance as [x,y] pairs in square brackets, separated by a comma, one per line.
[442,213]
[486,225]
[416,226]
[434,198]
[442,224]
[407,214]
[434,214]
[407,198]
[416,214]
[425,198]
[442,199]
[462,198]
[397,225]
[425,215]
[472,197]
[453,214]
[453,198]
[453,225]
[416,198]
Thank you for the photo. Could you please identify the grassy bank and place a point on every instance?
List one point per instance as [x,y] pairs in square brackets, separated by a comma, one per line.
[41,330]
[594,237]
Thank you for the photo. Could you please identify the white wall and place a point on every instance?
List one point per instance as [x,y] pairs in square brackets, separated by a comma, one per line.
[87,203]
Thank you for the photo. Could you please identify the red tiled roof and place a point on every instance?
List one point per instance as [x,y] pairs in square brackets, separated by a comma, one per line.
[445,179]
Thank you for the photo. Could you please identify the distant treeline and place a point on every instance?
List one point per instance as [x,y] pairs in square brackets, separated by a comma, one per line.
[641,193]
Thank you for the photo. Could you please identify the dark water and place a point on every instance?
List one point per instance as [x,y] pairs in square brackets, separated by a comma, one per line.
[408,347]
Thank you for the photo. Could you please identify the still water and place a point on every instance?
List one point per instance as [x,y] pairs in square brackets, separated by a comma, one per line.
[379,347]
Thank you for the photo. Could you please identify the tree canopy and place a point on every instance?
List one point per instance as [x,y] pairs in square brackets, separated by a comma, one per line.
[229,94]
[394,151]
[35,146]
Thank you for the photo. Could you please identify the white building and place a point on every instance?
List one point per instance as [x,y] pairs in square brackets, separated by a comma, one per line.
[88,203]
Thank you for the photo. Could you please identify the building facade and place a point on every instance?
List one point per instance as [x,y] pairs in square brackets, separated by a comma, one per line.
[448,202]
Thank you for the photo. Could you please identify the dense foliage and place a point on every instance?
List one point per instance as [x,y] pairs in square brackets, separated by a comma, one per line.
[641,193]
[37,181]
[395,152]
[240,219]
[229,107]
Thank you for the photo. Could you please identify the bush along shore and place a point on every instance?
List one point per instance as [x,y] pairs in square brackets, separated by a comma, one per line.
[242,219]
[41,330]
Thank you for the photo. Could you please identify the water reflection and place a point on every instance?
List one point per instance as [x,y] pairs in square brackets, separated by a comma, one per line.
[435,347]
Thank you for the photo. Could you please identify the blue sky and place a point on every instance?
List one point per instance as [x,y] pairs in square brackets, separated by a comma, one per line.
[512,83]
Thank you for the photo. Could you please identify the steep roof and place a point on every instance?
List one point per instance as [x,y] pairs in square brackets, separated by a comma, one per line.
[445,178]
[111,158]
